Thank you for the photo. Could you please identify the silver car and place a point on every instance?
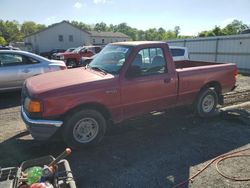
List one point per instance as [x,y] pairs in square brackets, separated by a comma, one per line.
[17,66]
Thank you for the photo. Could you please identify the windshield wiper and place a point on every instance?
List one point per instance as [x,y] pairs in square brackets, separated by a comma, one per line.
[98,69]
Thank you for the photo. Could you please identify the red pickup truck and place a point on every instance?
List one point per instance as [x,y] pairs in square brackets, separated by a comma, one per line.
[72,59]
[125,80]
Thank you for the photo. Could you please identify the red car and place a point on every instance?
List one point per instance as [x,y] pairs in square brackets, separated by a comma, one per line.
[125,80]
[72,59]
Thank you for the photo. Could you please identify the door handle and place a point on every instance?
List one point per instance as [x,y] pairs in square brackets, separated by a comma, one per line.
[168,80]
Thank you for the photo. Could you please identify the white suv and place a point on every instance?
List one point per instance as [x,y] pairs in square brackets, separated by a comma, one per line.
[179,53]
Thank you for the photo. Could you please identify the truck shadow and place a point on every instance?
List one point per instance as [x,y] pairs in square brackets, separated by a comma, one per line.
[152,151]
[10,99]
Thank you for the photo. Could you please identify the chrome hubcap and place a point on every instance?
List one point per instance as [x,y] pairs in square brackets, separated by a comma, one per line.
[85,130]
[208,103]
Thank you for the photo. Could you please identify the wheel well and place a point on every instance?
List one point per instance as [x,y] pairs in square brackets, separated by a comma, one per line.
[214,84]
[93,106]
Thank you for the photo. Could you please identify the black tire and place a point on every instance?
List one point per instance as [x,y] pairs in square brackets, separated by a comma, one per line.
[206,103]
[72,135]
[71,63]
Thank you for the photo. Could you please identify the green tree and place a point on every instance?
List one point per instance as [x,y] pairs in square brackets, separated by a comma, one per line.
[2,41]
[124,28]
[10,31]
[217,31]
[101,27]
[30,27]
[177,31]
[82,26]
[235,27]
[160,35]
[151,34]
[169,35]
[140,35]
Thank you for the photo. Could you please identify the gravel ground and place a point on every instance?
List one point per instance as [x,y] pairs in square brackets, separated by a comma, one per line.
[158,150]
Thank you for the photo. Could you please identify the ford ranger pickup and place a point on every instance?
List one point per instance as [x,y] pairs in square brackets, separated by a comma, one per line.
[125,80]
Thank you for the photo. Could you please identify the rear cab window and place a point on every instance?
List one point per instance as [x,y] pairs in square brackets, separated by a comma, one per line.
[177,52]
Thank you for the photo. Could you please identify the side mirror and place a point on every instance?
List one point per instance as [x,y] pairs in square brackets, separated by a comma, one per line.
[133,71]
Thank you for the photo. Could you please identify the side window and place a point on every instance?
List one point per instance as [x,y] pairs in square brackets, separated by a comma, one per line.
[71,39]
[10,60]
[148,61]
[15,59]
[60,38]
[31,61]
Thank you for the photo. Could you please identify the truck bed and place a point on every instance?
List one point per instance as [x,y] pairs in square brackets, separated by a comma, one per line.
[188,64]
[193,75]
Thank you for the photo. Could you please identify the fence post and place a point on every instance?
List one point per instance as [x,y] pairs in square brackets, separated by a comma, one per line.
[216,49]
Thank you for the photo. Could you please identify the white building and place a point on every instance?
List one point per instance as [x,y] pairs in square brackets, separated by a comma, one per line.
[64,35]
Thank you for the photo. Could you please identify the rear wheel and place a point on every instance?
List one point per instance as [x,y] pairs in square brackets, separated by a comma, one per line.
[84,128]
[206,103]
[71,63]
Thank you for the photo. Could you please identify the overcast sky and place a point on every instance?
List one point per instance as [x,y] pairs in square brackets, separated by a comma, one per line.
[192,16]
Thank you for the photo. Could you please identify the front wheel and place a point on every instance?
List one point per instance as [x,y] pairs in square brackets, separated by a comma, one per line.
[206,103]
[84,128]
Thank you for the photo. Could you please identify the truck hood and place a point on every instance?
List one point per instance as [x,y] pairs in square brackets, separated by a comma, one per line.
[68,79]
[64,53]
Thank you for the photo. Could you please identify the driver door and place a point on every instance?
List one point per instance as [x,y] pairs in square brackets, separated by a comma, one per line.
[148,86]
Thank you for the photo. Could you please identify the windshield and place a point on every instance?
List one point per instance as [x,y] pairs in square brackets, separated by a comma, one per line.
[111,58]
[77,50]
[70,50]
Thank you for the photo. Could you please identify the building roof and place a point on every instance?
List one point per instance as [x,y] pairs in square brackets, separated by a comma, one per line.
[92,33]
[53,25]
[108,34]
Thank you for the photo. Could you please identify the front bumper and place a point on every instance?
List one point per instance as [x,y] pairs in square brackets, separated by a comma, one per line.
[40,129]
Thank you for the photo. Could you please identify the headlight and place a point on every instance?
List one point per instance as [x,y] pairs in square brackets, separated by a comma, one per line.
[32,106]
[61,57]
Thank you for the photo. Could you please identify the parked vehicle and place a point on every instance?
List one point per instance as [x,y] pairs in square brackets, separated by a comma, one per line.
[179,53]
[72,59]
[8,48]
[51,52]
[120,83]
[55,55]
[86,60]
[70,50]
[16,66]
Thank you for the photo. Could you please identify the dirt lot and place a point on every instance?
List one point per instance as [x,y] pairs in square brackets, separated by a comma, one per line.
[158,150]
